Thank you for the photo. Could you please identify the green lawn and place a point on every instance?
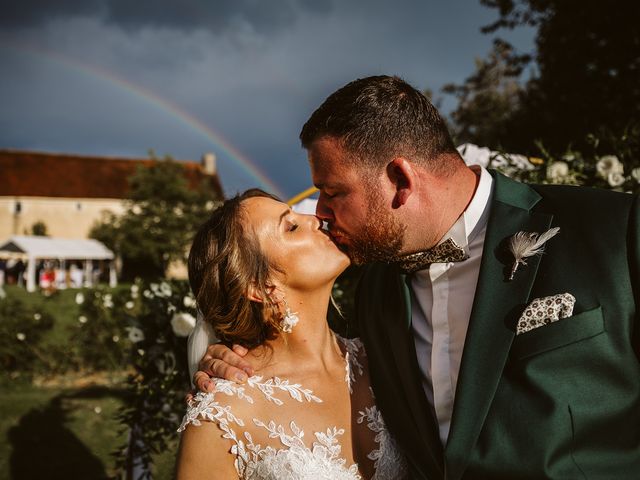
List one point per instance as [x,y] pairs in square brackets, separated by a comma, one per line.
[57,433]
[67,428]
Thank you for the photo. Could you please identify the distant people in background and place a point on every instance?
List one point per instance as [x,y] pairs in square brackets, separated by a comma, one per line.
[76,276]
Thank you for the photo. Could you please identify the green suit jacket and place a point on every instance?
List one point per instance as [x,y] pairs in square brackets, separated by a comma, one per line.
[560,401]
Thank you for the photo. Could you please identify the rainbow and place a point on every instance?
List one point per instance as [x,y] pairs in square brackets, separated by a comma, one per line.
[182,116]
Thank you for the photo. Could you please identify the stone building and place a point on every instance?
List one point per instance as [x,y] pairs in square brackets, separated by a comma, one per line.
[68,193]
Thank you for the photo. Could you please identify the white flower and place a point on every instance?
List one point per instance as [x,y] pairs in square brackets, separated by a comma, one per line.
[189,301]
[635,173]
[615,179]
[147,294]
[182,324]
[557,170]
[135,334]
[82,319]
[21,336]
[134,288]
[609,164]
[37,316]
[79,298]
[165,289]
[162,290]
[107,301]
[136,210]
[141,352]
[568,157]
[129,305]
[115,338]
[171,308]
[98,410]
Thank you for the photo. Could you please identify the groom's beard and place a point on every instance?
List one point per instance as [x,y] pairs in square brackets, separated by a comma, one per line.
[381,238]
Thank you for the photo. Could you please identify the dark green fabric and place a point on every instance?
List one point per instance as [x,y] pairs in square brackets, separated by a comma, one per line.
[561,401]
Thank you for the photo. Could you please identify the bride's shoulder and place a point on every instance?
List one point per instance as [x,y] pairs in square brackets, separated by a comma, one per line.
[223,405]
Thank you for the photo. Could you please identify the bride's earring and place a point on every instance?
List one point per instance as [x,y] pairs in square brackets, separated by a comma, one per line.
[289,320]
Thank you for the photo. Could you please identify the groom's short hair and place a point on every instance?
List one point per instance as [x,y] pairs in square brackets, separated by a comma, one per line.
[378,118]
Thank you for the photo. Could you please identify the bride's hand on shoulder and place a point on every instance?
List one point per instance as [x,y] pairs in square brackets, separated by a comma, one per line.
[221,361]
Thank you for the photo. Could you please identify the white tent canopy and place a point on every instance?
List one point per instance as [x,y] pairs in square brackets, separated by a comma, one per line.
[35,248]
[56,248]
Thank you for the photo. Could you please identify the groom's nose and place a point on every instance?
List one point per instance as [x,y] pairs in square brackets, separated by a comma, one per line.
[323,212]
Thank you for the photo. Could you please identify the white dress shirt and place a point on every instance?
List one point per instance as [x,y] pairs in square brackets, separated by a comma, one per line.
[442,298]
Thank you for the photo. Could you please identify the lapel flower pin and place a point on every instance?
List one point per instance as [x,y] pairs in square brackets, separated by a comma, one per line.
[528,244]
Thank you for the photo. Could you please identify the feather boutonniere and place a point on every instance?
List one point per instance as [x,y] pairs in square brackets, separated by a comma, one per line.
[527,244]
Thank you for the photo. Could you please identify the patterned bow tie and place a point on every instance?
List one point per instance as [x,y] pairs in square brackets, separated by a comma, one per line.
[447,251]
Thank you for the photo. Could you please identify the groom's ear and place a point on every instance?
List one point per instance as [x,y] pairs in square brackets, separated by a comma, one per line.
[402,175]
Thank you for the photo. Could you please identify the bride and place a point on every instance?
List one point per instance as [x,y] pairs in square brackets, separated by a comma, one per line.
[262,276]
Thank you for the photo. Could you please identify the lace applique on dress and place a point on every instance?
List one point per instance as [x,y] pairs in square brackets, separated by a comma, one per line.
[389,462]
[321,460]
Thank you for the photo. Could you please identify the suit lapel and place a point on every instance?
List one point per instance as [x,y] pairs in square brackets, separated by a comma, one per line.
[496,307]
[404,355]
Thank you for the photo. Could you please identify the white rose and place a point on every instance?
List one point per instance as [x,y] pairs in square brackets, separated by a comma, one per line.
[107,301]
[182,324]
[615,179]
[21,336]
[635,173]
[134,288]
[115,338]
[79,298]
[609,164]
[135,334]
[37,316]
[82,319]
[189,301]
[557,170]
[136,210]
[129,305]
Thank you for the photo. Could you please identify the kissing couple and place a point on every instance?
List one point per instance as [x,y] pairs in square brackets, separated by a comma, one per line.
[498,321]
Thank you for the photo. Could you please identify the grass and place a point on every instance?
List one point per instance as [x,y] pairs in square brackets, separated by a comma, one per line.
[66,426]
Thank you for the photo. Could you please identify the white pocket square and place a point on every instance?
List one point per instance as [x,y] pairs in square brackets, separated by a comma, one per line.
[545,310]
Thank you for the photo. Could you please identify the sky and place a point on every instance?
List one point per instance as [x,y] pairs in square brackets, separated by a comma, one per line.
[235,77]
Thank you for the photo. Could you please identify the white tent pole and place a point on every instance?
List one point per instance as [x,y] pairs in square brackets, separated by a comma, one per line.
[88,273]
[31,274]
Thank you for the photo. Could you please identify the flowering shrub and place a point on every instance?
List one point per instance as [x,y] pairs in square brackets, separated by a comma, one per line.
[22,328]
[159,317]
[614,167]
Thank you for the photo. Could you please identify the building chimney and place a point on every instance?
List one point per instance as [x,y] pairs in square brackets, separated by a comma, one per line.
[209,163]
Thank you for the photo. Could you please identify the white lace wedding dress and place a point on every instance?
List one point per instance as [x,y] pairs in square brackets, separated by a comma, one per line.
[280,446]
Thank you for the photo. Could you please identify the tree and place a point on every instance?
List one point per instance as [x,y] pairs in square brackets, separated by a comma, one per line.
[160,220]
[486,99]
[586,77]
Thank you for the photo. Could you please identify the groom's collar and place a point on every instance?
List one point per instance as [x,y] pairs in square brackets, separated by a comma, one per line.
[513,193]
[475,216]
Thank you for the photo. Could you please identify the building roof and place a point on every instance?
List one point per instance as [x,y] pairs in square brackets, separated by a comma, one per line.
[56,248]
[37,174]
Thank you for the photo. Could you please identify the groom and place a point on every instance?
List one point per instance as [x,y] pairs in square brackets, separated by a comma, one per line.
[480,374]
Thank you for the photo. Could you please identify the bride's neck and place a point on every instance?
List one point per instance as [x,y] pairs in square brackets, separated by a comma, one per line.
[311,342]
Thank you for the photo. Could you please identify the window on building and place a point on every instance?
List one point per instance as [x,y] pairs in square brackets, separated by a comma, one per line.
[18,208]
[78,206]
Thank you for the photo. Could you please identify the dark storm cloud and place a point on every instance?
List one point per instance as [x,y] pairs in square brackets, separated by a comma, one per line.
[263,17]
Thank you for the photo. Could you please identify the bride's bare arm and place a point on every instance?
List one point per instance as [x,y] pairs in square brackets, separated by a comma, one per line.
[204,454]
[222,362]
